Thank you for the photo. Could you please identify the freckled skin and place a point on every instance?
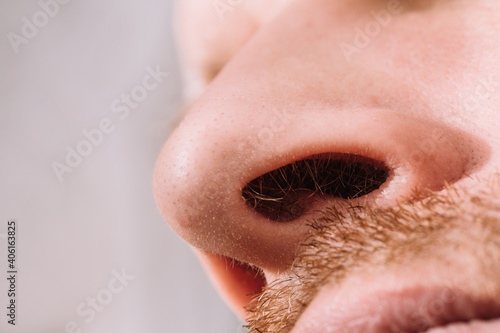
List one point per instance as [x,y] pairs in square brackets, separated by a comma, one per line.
[414,85]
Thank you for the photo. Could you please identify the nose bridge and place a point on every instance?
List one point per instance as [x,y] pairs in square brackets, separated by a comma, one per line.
[285,54]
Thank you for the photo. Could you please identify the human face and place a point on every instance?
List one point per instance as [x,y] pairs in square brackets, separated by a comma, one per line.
[344,158]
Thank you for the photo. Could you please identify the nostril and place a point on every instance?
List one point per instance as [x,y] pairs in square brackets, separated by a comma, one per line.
[286,193]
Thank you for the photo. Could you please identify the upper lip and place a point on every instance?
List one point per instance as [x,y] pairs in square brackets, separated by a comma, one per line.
[407,310]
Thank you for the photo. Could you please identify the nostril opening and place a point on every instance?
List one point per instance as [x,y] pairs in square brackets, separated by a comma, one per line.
[286,193]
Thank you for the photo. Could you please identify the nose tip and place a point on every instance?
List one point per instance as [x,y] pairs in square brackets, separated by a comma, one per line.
[198,182]
[213,156]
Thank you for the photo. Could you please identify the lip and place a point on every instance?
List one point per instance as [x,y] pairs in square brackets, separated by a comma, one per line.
[430,309]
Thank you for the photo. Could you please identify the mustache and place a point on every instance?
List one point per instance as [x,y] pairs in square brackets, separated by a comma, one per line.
[347,238]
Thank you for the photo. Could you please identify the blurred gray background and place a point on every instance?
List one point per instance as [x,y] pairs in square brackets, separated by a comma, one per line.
[78,231]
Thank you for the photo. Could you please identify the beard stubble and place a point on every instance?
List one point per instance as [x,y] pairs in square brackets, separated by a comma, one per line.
[458,225]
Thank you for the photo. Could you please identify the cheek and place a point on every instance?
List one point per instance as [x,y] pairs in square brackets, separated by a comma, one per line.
[447,56]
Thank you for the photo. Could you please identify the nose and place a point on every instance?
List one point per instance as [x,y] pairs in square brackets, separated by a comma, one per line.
[281,103]
[214,155]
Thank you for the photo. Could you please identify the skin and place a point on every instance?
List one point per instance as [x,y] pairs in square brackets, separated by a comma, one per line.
[281,81]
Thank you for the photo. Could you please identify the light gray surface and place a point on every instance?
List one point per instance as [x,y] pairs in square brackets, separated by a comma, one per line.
[73,234]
